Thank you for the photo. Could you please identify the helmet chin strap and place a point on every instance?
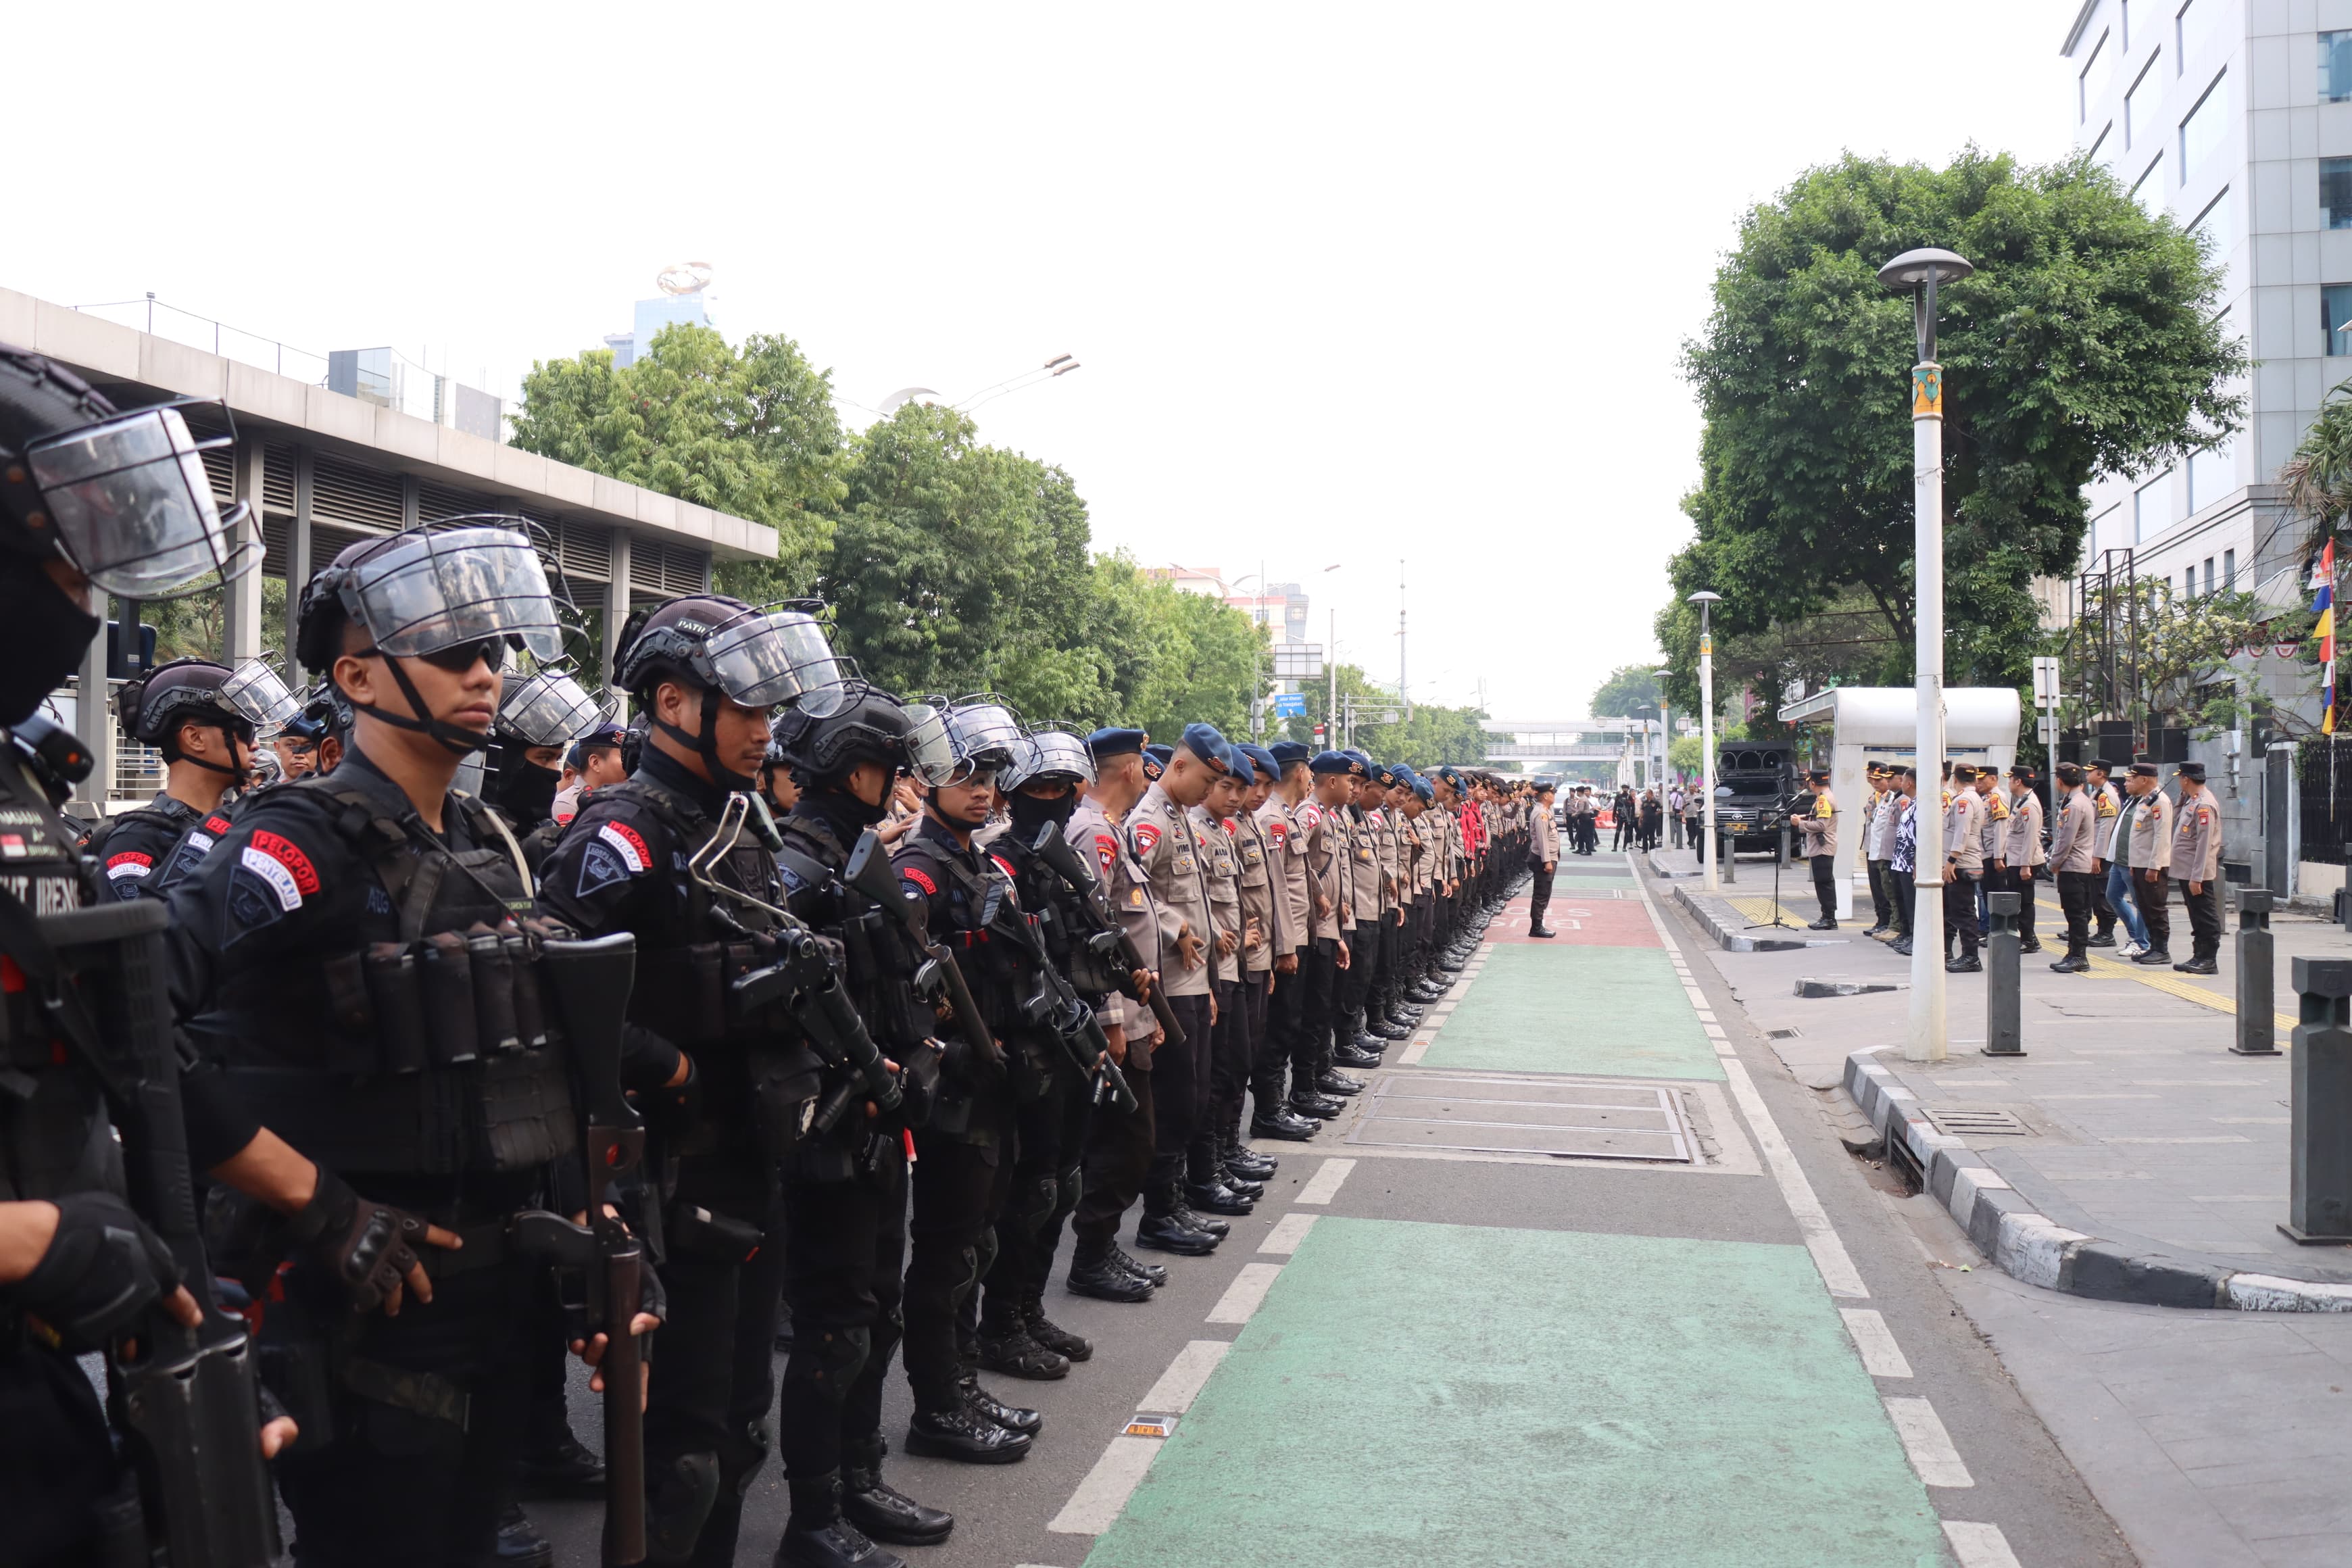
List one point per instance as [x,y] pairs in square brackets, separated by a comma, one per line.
[464,742]
[237,777]
[706,744]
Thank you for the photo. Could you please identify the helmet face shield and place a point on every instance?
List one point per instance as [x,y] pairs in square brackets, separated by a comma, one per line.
[132,505]
[550,708]
[987,737]
[444,590]
[256,691]
[767,659]
[931,754]
[1051,754]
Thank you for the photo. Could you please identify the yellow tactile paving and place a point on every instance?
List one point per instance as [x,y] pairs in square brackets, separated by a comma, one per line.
[2174,984]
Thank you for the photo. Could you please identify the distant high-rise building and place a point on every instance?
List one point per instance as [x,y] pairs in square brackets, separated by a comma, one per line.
[681,301]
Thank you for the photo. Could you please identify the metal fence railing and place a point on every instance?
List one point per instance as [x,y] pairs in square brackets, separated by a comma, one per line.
[2324,766]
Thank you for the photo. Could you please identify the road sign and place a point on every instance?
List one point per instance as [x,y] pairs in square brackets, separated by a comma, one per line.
[1290,705]
[1298,661]
[2046,729]
[2045,682]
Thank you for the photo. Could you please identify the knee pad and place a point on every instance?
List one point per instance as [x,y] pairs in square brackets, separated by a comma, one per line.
[830,1359]
[678,1503]
[1034,1204]
[742,1457]
[1069,1189]
[978,1259]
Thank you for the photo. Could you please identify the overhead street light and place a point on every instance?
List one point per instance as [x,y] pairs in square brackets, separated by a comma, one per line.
[1918,273]
[1712,850]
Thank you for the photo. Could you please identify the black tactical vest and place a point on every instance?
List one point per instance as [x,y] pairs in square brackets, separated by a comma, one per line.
[54,1137]
[436,1044]
[1053,907]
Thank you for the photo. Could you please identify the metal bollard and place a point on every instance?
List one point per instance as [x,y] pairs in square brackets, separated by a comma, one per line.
[2257,1036]
[2002,1034]
[1725,843]
[2319,1153]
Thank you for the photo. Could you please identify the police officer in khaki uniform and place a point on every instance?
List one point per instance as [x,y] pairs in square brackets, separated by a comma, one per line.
[2197,869]
[1284,823]
[1212,824]
[1818,824]
[2022,849]
[1964,865]
[2151,858]
[2073,861]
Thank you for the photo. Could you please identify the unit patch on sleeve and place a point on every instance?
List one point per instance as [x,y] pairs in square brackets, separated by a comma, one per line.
[1106,851]
[921,878]
[627,843]
[130,864]
[1147,838]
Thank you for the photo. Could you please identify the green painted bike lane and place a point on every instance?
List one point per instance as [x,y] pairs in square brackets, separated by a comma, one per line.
[1411,1391]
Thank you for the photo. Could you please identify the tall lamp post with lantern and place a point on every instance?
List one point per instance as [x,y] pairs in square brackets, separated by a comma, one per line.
[1918,273]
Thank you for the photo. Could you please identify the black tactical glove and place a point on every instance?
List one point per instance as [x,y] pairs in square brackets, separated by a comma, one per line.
[368,1246]
[103,1267]
[648,1064]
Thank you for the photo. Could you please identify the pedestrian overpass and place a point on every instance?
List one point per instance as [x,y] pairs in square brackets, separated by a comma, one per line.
[1636,747]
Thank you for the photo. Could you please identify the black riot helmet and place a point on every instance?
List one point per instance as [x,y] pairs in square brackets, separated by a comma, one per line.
[546,709]
[869,725]
[724,648]
[988,737]
[471,588]
[240,703]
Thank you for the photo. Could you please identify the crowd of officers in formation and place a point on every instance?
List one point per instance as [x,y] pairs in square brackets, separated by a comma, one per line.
[910,986]
[2113,857]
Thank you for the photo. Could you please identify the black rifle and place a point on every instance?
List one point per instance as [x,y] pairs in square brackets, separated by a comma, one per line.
[1073,868]
[805,978]
[190,1397]
[870,876]
[1061,1012]
[590,982]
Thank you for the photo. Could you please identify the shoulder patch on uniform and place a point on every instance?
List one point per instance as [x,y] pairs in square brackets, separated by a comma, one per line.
[920,878]
[1147,838]
[216,823]
[1311,814]
[601,866]
[1278,830]
[1004,865]
[1233,827]
[794,881]
[1106,851]
[627,843]
[129,863]
[289,855]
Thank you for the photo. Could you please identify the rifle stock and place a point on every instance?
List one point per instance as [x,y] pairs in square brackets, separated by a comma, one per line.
[870,874]
[191,1397]
[590,982]
[1070,866]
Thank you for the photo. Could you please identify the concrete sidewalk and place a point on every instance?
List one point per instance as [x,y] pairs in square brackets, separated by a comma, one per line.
[2129,1155]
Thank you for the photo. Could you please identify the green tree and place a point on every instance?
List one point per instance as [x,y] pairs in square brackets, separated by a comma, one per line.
[1630,692]
[750,432]
[2087,343]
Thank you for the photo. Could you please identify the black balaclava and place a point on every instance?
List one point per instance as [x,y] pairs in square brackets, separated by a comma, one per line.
[832,803]
[520,788]
[1029,813]
[44,637]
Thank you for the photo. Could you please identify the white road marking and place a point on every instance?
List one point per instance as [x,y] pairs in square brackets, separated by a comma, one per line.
[1185,1377]
[1324,1184]
[1714,1031]
[1408,1056]
[1980,1545]
[1927,1444]
[1241,1297]
[1287,1233]
[1096,1503]
[1881,1356]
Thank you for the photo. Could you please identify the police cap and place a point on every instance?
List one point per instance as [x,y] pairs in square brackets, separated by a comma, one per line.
[1106,743]
[1287,754]
[1331,762]
[2144,770]
[1205,741]
[1261,761]
[2193,772]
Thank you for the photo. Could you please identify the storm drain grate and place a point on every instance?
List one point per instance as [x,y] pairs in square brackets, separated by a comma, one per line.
[1495,1115]
[1780,1033]
[1975,1121]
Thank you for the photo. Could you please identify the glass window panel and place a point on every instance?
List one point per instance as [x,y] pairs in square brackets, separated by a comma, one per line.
[2335,67]
[2096,67]
[2335,192]
[2152,508]
[2149,191]
[2336,313]
[2202,133]
[2140,105]
[2229,570]
[2214,221]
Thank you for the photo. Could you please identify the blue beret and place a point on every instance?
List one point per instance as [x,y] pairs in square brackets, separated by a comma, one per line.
[1285,752]
[1238,765]
[1382,775]
[1331,762]
[1404,774]
[1204,742]
[1363,757]
[1261,761]
[1104,744]
[1155,760]
[1451,777]
[1423,788]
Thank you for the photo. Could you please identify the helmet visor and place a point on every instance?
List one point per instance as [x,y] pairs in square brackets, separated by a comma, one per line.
[986,736]
[1052,754]
[258,692]
[548,710]
[931,753]
[767,659]
[436,591]
[132,504]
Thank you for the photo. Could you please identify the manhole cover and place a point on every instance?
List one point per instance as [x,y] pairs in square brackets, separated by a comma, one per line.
[1972,1121]
[1489,1114]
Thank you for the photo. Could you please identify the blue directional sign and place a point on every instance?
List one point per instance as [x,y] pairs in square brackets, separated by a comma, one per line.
[1290,705]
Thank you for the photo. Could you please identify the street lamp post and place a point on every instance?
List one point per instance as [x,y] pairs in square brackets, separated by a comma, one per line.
[1712,850]
[1917,272]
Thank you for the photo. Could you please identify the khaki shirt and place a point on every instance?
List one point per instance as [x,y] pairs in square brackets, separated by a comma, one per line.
[1994,828]
[1091,832]
[1388,845]
[1221,861]
[1963,822]
[2074,842]
[2113,825]
[1818,826]
[1314,836]
[1367,900]
[1543,839]
[2197,839]
[2024,844]
[1161,841]
[2151,832]
[1261,897]
[1279,820]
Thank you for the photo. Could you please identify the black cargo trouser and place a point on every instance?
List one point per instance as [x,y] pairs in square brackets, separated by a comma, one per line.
[2204,919]
[1117,1158]
[1363,968]
[1881,894]
[1050,1143]
[445,1481]
[2025,887]
[1825,883]
[1539,900]
[1278,1044]
[57,1461]
[1960,910]
[961,1183]
[1904,885]
[1230,1052]
[1319,1010]
[844,1255]
[2155,901]
[2077,894]
[1180,1081]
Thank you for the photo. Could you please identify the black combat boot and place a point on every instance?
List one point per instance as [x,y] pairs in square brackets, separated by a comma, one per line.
[1332,1081]
[561,1466]
[1006,1347]
[1281,1121]
[1094,1272]
[519,1543]
[1163,1231]
[1011,1417]
[1149,1273]
[957,1431]
[1243,1163]
[880,1510]
[1191,1217]
[1345,1055]
[1051,1334]
[817,1536]
[1313,1102]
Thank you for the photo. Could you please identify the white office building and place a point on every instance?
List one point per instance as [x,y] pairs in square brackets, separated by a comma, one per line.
[2235,117]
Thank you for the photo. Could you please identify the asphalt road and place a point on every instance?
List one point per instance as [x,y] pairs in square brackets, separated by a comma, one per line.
[1747,1358]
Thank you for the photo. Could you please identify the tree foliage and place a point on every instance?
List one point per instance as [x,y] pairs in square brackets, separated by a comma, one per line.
[1632,691]
[2085,344]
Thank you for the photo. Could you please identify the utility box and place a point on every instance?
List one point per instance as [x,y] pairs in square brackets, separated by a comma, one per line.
[1864,725]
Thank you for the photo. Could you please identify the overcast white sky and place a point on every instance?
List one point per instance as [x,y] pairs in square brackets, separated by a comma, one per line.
[1350,283]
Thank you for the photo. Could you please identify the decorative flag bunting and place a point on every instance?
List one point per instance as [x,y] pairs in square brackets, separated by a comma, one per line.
[2326,632]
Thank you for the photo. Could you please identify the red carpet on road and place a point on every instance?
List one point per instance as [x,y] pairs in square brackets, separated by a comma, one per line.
[1595,923]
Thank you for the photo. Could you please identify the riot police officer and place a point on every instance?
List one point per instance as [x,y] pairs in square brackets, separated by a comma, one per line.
[77,1267]
[538,716]
[317,965]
